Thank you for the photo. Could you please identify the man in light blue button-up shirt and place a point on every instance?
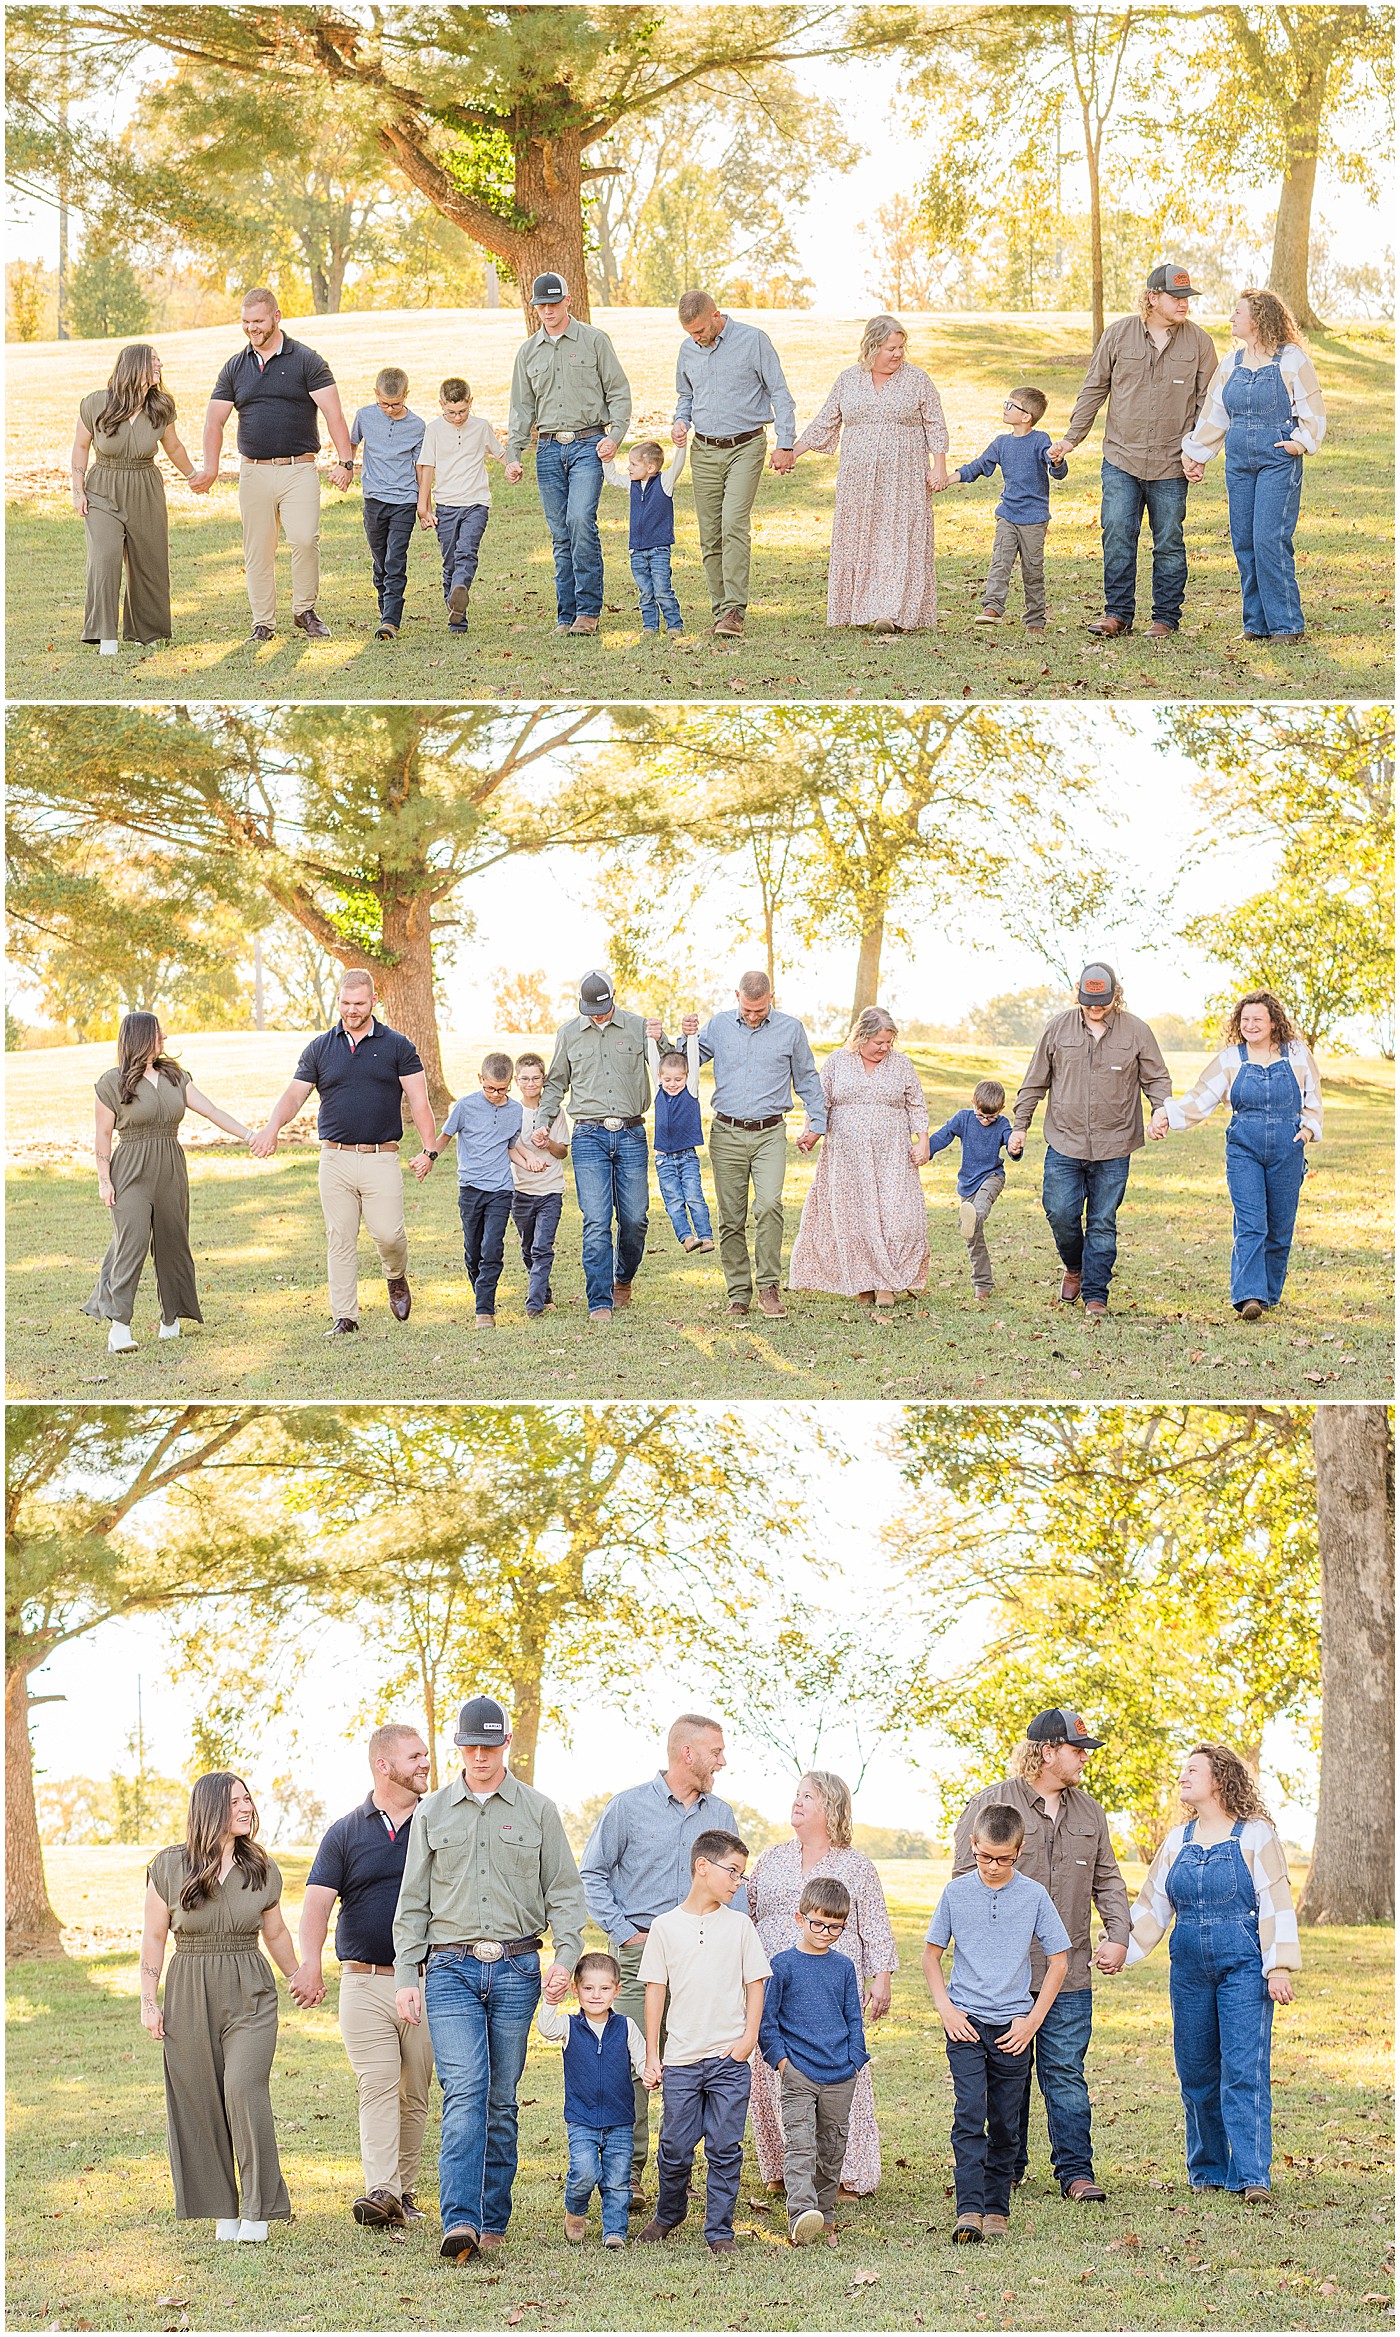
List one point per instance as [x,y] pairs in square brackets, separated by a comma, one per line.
[637,1866]
[729,387]
[760,1058]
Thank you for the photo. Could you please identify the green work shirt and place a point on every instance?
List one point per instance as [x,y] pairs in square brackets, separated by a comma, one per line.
[498,1869]
[605,1071]
[572,383]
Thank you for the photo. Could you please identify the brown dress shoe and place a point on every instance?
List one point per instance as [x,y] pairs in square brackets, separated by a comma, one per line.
[655,2231]
[340,1328]
[1109,628]
[1095,1310]
[1084,2187]
[770,1302]
[262,633]
[730,626]
[460,2244]
[310,624]
[400,1298]
[1157,631]
[584,625]
[412,2212]
[1069,1288]
[378,2208]
[622,1294]
[721,2247]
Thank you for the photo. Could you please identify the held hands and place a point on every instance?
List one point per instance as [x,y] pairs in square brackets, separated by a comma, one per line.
[654,1028]
[607,448]
[1018,2036]
[1057,452]
[679,434]
[263,1144]
[1109,1956]
[781,459]
[340,475]
[306,1986]
[422,1166]
[425,517]
[690,1026]
[200,482]
[919,1153]
[651,2075]
[515,472]
[556,1984]
[1016,1143]
[1195,472]
[408,2004]
[1280,1985]
[808,1140]
[541,1138]
[1159,1125]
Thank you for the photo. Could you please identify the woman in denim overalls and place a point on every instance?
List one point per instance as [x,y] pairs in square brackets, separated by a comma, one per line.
[1253,406]
[1271,1081]
[1223,1881]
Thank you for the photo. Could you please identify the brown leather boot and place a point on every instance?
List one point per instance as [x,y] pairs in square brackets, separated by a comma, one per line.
[1108,628]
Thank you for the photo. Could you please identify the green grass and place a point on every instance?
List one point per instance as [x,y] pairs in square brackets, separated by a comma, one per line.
[259,1247]
[513,649]
[93,2241]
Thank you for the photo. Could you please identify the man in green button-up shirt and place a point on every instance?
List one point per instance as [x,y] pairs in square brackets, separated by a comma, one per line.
[569,388]
[600,1058]
[488,1869]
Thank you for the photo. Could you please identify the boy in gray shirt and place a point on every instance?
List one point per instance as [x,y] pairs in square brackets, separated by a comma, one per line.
[988,2013]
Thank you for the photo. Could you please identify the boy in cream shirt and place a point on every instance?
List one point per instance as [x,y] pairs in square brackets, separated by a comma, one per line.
[452,468]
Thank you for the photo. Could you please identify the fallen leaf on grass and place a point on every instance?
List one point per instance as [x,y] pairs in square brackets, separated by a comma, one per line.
[863,2280]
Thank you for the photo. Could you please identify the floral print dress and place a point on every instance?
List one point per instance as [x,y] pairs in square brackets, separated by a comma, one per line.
[864,1221]
[881,570]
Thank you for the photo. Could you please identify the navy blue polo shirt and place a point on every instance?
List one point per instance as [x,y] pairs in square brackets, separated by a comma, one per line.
[361,1859]
[276,411]
[358,1083]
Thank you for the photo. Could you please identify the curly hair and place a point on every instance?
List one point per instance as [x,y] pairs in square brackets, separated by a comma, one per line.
[879,330]
[1237,1790]
[1274,321]
[1285,1030]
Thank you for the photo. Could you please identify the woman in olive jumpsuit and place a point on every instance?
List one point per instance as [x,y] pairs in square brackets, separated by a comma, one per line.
[144,1183]
[215,1891]
[121,499]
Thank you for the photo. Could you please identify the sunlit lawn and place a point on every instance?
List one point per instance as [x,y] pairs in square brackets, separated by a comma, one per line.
[1344,538]
[259,1246]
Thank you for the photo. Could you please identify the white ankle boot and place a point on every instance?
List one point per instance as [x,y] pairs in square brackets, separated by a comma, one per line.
[119,1339]
[170,1330]
[252,2231]
[108,648]
[227,2228]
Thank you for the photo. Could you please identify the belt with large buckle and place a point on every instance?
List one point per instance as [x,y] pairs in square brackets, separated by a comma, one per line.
[613,1122]
[741,440]
[486,1951]
[750,1127]
[567,437]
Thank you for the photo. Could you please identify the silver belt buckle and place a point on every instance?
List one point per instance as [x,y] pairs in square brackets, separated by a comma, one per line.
[566,437]
[488,1951]
[614,1123]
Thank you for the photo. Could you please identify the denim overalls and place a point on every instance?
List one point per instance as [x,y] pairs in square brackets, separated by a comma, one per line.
[1264,1168]
[1222,2014]
[1264,484]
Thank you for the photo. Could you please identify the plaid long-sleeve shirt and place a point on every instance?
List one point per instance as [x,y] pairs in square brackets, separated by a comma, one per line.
[1263,1855]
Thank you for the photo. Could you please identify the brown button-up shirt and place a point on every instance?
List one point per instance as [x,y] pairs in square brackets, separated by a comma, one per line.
[1093,1087]
[1154,395]
[1072,1857]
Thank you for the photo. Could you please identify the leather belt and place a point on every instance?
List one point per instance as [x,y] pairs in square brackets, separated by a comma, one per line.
[751,1127]
[613,1122]
[350,1965]
[487,1951]
[741,440]
[260,461]
[328,1144]
[567,437]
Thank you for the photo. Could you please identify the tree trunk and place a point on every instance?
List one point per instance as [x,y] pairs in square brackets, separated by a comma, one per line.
[872,942]
[31,1926]
[405,985]
[1091,153]
[549,189]
[1352,1875]
[524,1724]
[1288,267]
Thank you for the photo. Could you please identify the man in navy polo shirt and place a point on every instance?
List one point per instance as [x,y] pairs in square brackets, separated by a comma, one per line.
[363,1072]
[277,386]
[360,1862]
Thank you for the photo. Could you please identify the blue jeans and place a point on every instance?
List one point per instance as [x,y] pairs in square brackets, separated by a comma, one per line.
[651,573]
[485,1217]
[460,528]
[1264,1166]
[570,481]
[536,1217]
[1222,2026]
[1265,493]
[678,1175]
[479,2019]
[989,2086]
[610,1176]
[709,2098]
[1080,1198]
[600,2159]
[389,527]
[1057,2057]
[1125,499]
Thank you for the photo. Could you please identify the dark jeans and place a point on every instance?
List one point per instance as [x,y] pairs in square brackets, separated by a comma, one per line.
[709,2098]
[460,528]
[389,527]
[988,2088]
[600,2159]
[651,573]
[610,1177]
[479,2019]
[1061,2043]
[1125,499]
[570,481]
[536,1219]
[1080,1198]
[485,1217]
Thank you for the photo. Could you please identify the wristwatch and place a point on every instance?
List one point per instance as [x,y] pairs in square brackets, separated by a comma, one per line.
[431,1155]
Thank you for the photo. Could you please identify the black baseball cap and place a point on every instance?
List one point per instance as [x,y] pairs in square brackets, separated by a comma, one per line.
[1061,1728]
[1168,277]
[595,992]
[1097,985]
[483,1722]
[550,286]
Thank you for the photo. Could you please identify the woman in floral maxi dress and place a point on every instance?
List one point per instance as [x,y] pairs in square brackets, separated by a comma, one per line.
[888,417]
[864,1229]
[821,1826]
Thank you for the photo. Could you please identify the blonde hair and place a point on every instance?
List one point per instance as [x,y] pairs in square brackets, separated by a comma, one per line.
[868,1025]
[834,1794]
[1273,319]
[879,330]
[1027,1761]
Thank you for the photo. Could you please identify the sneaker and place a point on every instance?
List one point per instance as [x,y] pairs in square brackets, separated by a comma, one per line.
[987,617]
[967,1219]
[256,2232]
[807,2227]
[119,1339]
[1250,1311]
[108,648]
[227,2228]
[169,1330]
[458,600]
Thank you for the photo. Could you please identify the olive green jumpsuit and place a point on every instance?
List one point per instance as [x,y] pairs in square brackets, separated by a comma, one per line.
[127,527]
[151,1203]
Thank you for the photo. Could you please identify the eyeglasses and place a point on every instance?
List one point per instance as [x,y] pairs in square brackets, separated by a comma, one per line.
[815,1923]
[721,1868]
[1012,406]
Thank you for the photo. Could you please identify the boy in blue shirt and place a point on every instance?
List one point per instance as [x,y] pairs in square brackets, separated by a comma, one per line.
[603,2051]
[1021,454]
[488,1128]
[679,1134]
[651,484]
[982,1133]
[391,437]
[812,2033]
[988,2015]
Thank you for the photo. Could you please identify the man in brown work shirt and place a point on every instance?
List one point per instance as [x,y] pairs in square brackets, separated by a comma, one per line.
[1092,1065]
[1067,1850]
[1154,369]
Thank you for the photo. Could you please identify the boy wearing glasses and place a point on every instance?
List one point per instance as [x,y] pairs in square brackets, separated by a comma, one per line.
[812,2033]
[712,1960]
[1022,454]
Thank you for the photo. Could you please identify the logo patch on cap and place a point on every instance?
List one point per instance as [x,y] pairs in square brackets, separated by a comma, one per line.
[1094,985]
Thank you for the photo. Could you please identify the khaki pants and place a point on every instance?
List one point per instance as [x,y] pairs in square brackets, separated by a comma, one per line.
[357,1185]
[816,2121]
[740,1157]
[393,2065]
[1010,543]
[725,480]
[288,494]
[632,2004]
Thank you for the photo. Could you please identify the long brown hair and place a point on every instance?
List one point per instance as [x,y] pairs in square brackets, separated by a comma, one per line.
[1284,1030]
[1273,320]
[1237,1790]
[138,1036]
[133,389]
[211,1799]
